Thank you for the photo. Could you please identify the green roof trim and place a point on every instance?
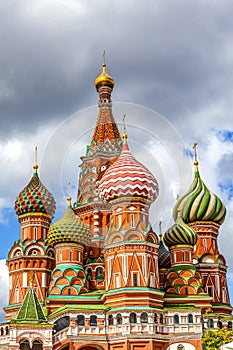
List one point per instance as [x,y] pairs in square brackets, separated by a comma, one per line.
[31,310]
[135,289]
[81,307]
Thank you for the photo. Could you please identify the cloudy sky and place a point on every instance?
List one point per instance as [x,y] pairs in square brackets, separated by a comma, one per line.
[172,65]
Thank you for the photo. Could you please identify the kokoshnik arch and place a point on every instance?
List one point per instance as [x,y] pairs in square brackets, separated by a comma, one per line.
[100,277]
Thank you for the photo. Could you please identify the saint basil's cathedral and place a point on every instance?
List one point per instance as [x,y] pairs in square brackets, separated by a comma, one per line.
[100,278]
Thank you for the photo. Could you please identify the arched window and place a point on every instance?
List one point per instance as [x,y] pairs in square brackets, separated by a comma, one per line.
[2,331]
[62,323]
[24,345]
[110,320]
[133,317]
[144,317]
[71,255]
[69,291]
[7,330]
[93,320]
[229,326]
[37,345]
[219,325]
[155,318]
[210,323]
[100,273]
[161,318]
[119,319]
[190,318]
[132,220]
[80,320]
[176,319]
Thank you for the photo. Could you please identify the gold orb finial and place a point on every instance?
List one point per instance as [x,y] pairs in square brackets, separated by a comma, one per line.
[104,79]
[124,136]
[35,166]
[69,197]
[195,156]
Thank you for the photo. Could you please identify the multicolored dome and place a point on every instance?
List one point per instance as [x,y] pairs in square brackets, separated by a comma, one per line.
[199,203]
[35,198]
[180,233]
[69,229]
[126,177]
[104,79]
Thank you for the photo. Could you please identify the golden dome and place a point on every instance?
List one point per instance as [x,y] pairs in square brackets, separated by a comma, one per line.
[104,79]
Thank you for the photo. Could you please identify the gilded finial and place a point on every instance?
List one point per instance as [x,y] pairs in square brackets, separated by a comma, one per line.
[69,197]
[104,79]
[195,156]
[35,166]
[124,136]
[160,231]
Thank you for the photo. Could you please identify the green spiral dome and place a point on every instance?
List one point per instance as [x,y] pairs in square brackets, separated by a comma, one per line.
[180,233]
[69,229]
[200,204]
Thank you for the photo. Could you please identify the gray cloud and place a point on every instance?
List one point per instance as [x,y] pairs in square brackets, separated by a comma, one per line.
[174,57]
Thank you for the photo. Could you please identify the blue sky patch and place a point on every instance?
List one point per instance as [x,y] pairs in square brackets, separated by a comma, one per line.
[227,188]
[224,135]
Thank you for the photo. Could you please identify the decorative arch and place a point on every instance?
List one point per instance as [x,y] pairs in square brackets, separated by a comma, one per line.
[15,251]
[29,249]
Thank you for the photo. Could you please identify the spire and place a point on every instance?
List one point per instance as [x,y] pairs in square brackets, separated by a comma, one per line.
[195,157]
[124,136]
[35,166]
[31,310]
[160,231]
[69,197]
[104,80]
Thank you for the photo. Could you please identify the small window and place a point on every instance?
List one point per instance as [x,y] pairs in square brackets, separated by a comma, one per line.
[183,256]
[93,320]
[71,255]
[80,320]
[180,347]
[229,326]
[119,319]
[133,317]
[69,291]
[155,318]
[176,319]
[190,318]
[110,320]
[24,345]
[144,317]
[210,291]
[161,318]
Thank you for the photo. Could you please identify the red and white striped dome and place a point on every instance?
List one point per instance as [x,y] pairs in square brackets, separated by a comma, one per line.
[126,177]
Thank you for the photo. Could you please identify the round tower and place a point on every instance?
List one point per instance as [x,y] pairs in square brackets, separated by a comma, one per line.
[31,254]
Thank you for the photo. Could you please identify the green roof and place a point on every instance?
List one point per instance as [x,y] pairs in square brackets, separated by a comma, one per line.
[81,307]
[30,310]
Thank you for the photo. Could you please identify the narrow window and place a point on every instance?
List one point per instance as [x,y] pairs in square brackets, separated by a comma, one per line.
[80,320]
[204,243]
[144,317]
[176,319]
[183,256]
[133,317]
[35,233]
[190,318]
[93,320]
[117,281]
[110,320]
[132,220]
[71,255]
[210,291]
[119,220]
[135,279]
[119,319]
[60,255]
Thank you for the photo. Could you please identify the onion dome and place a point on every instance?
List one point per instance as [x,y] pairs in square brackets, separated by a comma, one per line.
[180,234]
[164,256]
[104,79]
[69,229]
[199,203]
[126,177]
[35,198]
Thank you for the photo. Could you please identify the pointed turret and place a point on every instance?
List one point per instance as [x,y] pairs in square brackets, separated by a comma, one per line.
[31,310]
